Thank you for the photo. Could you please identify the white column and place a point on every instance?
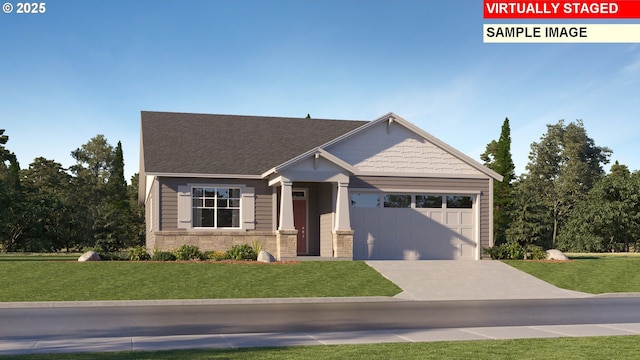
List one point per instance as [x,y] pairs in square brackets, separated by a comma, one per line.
[286,206]
[343,221]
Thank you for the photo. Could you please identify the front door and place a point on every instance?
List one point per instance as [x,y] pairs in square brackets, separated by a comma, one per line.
[300,220]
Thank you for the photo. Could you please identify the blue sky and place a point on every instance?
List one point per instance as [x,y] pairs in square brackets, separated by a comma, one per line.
[89,67]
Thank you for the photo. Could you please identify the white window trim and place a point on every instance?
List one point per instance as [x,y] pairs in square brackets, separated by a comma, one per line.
[246,209]
[215,208]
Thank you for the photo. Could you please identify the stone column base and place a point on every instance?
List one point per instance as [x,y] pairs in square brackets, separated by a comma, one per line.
[286,244]
[342,243]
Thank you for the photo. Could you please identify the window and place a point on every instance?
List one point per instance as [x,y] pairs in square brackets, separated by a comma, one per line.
[216,207]
[429,201]
[459,202]
[364,200]
[397,201]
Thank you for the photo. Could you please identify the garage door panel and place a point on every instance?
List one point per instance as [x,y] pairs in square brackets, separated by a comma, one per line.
[419,217]
[437,216]
[403,217]
[467,235]
[466,218]
[452,218]
[387,216]
[440,250]
[467,251]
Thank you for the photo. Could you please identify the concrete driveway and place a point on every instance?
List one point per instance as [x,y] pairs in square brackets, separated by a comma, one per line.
[466,280]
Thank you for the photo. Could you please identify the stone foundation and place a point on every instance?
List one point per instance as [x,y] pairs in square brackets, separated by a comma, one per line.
[282,244]
[342,243]
[208,241]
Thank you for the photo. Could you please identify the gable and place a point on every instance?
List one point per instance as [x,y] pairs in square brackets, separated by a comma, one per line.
[319,166]
[390,147]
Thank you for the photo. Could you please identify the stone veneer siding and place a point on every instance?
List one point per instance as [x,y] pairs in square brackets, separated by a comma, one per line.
[208,241]
[343,243]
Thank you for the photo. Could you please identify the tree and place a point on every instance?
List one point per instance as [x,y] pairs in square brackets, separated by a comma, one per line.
[138,228]
[529,218]
[497,157]
[92,171]
[608,219]
[116,184]
[53,215]
[562,169]
[114,223]
[46,208]
[94,160]
[11,198]
[618,170]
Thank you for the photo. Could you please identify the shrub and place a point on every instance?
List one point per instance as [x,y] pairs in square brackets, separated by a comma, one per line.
[114,256]
[257,247]
[506,251]
[534,252]
[139,253]
[97,249]
[188,252]
[242,252]
[215,255]
[163,256]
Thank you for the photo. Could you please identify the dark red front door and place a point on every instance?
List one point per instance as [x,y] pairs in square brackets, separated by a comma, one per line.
[300,223]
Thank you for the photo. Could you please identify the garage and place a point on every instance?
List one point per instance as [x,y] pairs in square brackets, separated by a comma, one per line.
[414,226]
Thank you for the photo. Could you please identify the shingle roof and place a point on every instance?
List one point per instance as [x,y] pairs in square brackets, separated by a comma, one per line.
[184,143]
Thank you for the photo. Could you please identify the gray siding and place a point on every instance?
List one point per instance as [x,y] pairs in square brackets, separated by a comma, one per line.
[169,200]
[150,217]
[168,206]
[444,184]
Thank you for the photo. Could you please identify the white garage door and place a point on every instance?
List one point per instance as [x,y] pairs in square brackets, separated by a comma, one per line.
[413,226]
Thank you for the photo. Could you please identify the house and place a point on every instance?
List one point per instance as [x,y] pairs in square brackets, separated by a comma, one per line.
[381,189]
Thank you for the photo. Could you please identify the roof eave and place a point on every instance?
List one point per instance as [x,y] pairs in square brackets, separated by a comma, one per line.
[204,175]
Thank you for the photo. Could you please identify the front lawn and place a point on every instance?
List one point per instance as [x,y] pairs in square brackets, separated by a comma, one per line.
[128,280]
[590,273]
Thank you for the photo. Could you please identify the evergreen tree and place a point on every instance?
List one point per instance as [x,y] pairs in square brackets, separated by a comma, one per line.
[52,215]
[116,184]
[44,208]
[618,170]
[497,157]
[137,222]
[113,222]
[529,218]
[94,164]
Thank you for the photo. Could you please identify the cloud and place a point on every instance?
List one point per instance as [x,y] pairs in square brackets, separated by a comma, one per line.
[632,68]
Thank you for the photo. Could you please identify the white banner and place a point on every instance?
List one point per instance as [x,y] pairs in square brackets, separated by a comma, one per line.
[561,33]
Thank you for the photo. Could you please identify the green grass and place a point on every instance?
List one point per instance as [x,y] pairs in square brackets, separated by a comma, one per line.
[39,257]
[124,280]
[609,347]
[590,273]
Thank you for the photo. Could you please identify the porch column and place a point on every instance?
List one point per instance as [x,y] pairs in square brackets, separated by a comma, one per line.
[343,221]
[286,206]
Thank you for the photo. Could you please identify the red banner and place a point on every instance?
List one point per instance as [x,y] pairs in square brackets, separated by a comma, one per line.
[561,9]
